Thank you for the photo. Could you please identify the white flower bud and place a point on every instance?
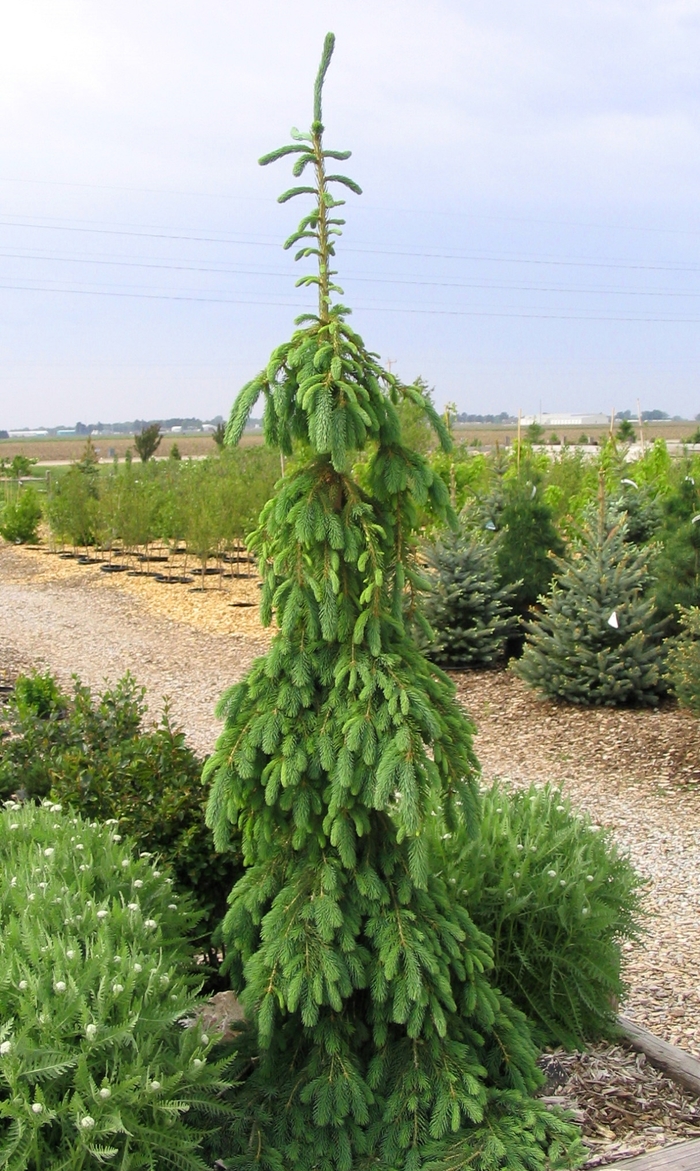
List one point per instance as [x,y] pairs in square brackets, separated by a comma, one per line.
[155,1085]
[117,988]
[138,968]
[87,1122]
[37,1108]
[5,1048]
[150,923]
[22,985]
[138,883]
[60,986]
[105,1092]
[48,851]
[91,1032]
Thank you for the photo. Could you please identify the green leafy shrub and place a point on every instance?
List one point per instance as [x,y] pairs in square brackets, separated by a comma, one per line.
[95,754]
[95,1068]
[20,517]
[72,509]
[467,608]
[683,661]
[595,641]
[558,900]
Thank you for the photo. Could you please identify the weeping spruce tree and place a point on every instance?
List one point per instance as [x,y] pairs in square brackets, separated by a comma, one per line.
[376,1038]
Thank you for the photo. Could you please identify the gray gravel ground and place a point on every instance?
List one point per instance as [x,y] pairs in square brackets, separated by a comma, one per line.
[76,625]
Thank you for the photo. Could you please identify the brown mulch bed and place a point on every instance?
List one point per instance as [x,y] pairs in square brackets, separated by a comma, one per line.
[624,1105]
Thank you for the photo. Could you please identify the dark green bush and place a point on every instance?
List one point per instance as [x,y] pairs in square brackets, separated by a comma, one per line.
[683,661]
[19,518]
[95,754]
[95,1067]
[677,568]
[467,608]
[558,900]
[527,539]
[595,642]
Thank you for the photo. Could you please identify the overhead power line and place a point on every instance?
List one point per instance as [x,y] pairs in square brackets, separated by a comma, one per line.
[389,278]
[516,313]
[359,249]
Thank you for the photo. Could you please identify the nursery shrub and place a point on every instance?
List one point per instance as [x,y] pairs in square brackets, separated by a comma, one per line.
[595,641]
[95,754]
[20,517]
[377,1038]
[467,608]
[678,564]
[527,540]
[558,900]
[683,660]
[72,509]
[95,1066]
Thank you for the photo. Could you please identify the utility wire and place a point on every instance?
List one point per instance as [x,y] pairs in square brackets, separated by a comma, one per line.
[389,279]
[217,300]
[364,250]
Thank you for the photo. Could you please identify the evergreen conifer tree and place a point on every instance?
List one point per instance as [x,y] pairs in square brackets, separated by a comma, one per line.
[678,563]
[469,611]
[528,540]
[376,1038]
[595,641]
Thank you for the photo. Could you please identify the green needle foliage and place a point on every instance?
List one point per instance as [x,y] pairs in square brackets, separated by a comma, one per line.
[377,1039]
[683,660]
[527,541]
[595,641]
[558,900]
[95,1067]
[147,441]
[469,611]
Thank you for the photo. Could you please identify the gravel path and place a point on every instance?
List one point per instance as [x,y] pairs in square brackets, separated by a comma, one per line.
[637,772]
[84,624]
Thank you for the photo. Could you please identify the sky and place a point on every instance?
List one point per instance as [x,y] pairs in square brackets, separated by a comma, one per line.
[527,238]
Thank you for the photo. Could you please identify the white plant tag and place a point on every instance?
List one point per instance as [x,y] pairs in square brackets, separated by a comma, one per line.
[612,620]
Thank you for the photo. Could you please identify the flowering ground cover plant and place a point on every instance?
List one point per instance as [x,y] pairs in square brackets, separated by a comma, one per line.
[94,979]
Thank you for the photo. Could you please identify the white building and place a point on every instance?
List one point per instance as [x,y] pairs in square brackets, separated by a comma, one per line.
[563,420]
